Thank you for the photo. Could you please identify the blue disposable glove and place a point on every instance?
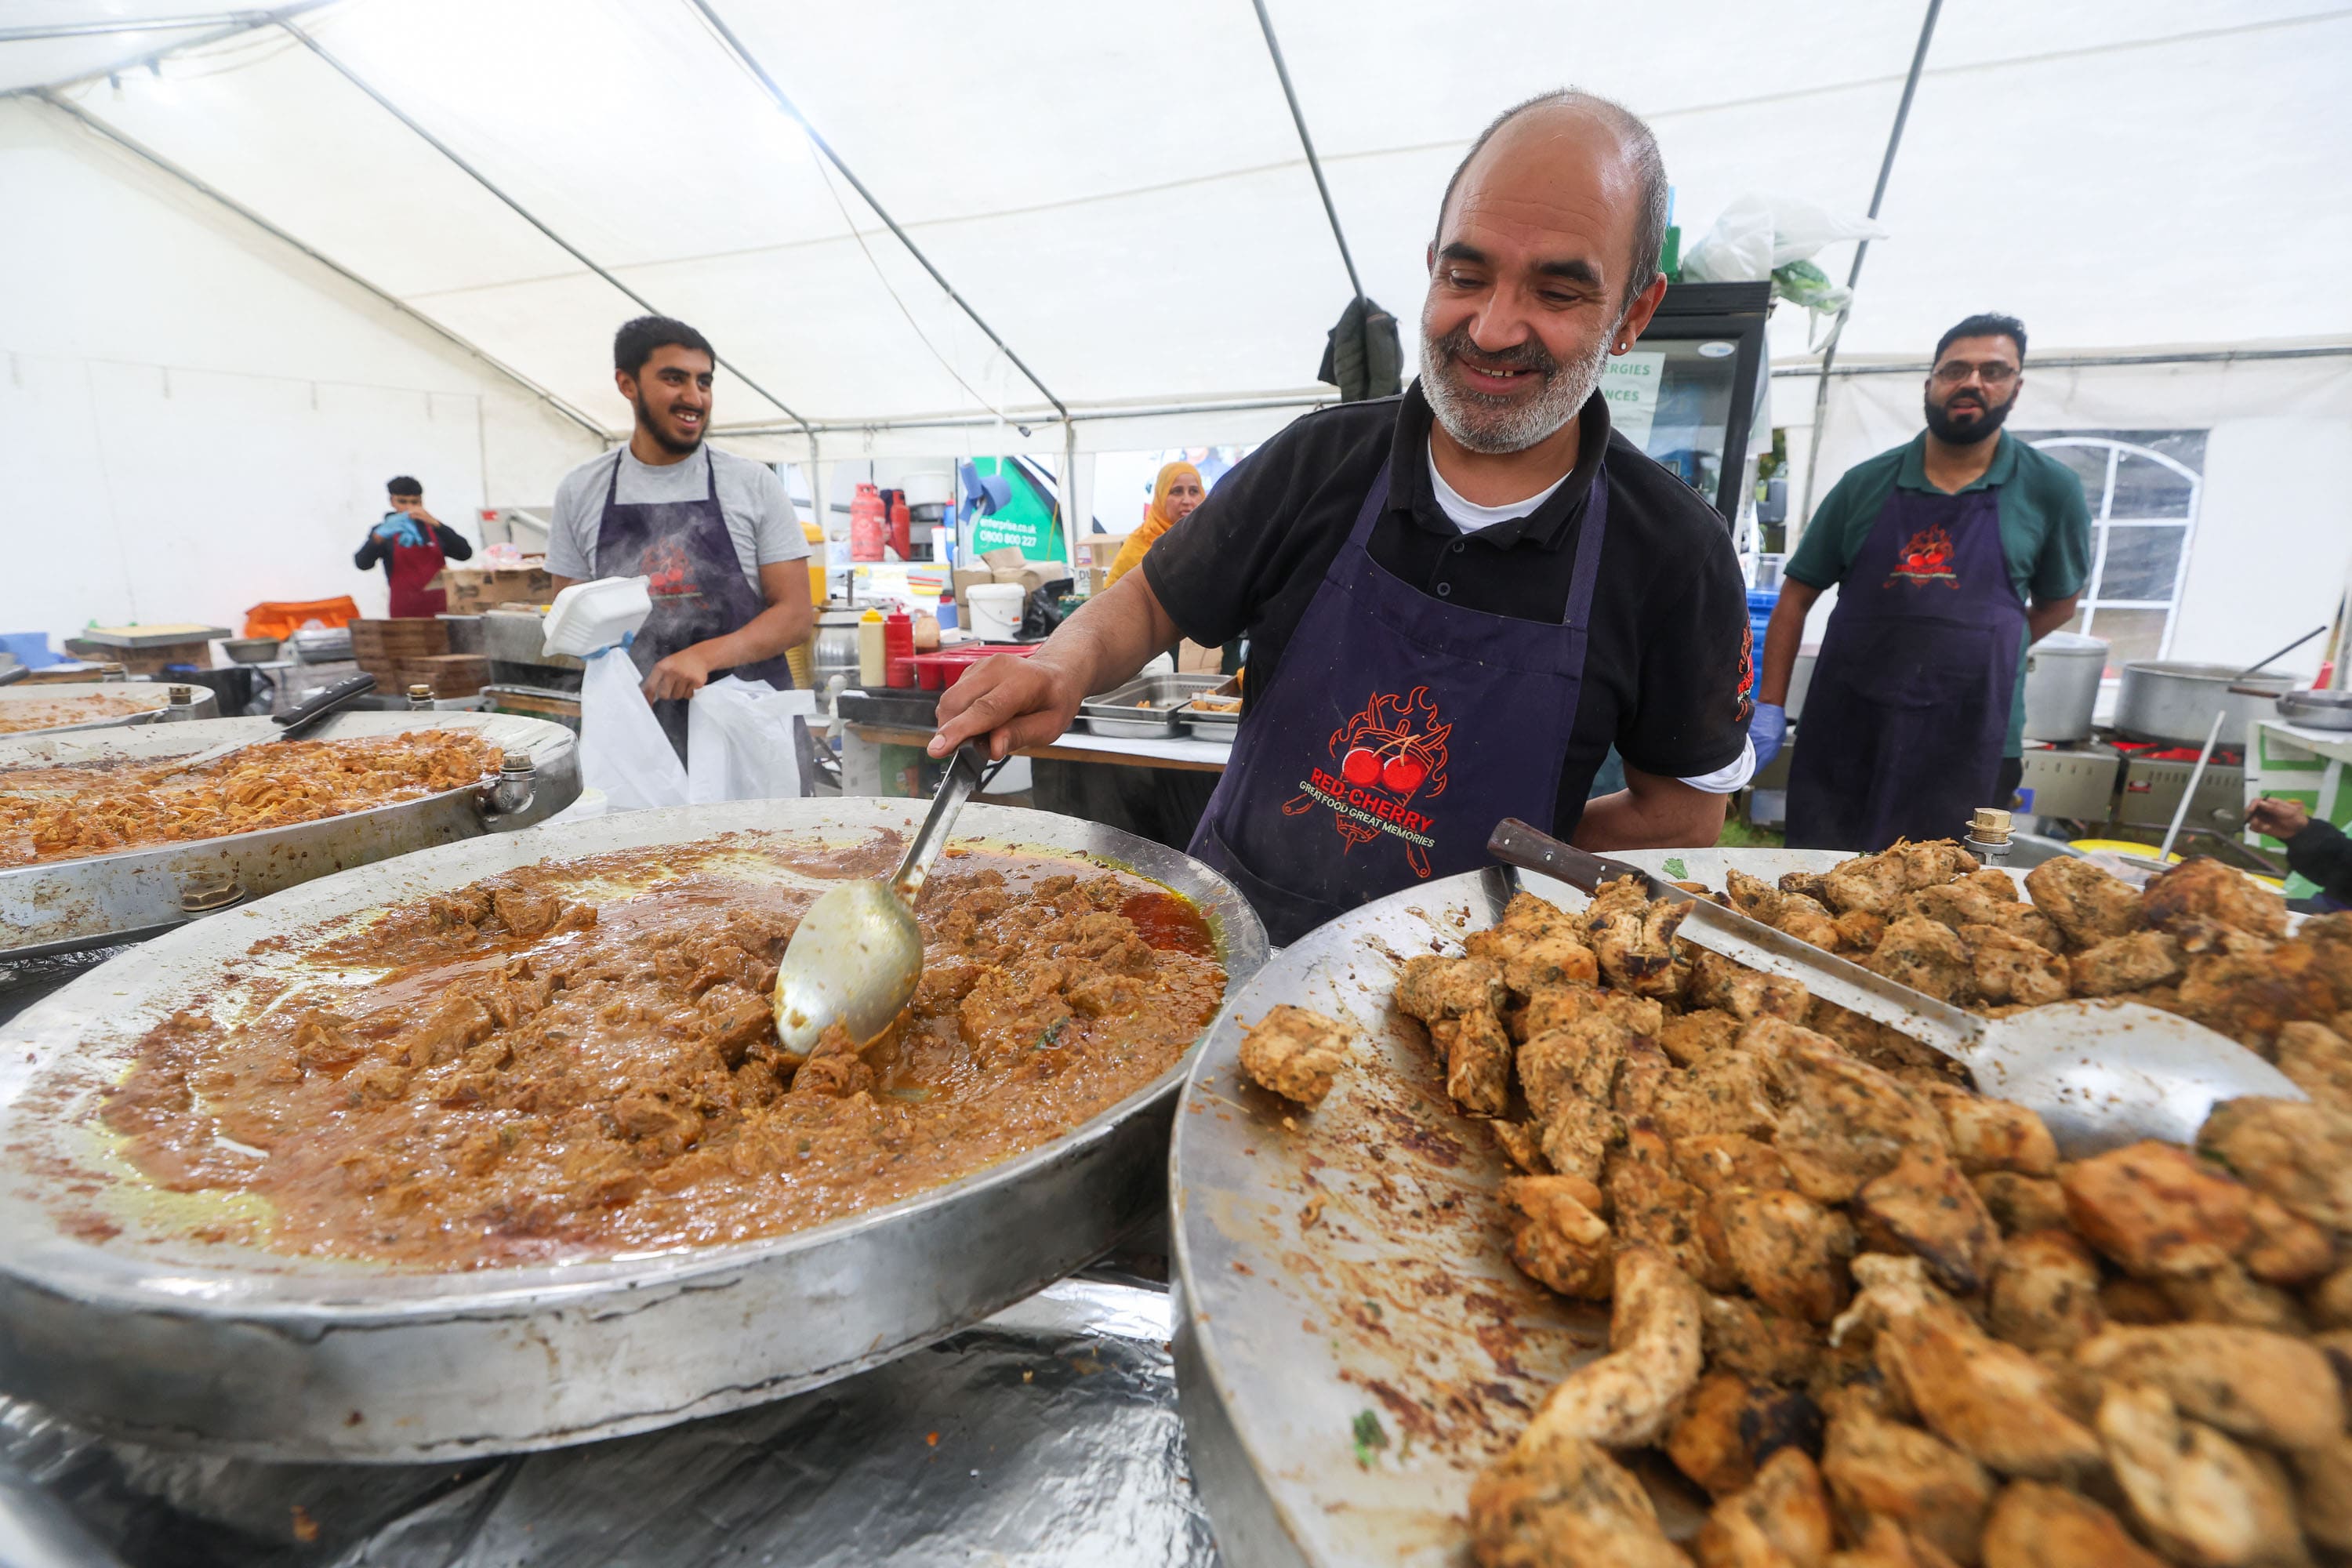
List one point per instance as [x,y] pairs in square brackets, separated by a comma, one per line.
[399,528]
[1766,731]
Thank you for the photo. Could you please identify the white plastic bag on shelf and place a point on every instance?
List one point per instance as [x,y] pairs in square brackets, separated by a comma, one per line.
[742,740]
[623,750]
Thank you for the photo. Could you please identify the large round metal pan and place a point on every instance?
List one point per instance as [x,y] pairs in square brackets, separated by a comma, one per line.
[153,1335]
[152,700]
[1346,1262]
[59,905]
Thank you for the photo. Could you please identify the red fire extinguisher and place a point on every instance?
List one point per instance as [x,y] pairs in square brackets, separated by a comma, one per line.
[866,524]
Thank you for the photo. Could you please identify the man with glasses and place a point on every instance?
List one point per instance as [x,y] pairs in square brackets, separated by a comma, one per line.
[1950,554]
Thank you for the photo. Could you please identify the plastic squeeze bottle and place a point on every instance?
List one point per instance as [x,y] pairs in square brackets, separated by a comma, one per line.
[872,662]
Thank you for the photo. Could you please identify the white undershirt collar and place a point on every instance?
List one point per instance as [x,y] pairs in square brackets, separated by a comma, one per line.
[1468,515]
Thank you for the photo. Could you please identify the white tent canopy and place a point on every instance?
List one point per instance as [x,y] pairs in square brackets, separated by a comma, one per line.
[1118,192]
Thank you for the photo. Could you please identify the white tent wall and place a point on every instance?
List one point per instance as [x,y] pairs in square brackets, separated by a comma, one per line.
[197,417]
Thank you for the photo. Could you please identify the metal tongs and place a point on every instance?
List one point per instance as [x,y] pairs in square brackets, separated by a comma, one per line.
[2099,1073]
[296,723]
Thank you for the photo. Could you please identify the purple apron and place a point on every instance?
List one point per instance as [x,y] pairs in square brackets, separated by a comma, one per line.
[1402,730]
[1908,711]
[695,578]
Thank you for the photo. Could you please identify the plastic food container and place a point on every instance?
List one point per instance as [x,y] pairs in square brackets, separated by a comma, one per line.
[588,617]
[995,608]
[938,672]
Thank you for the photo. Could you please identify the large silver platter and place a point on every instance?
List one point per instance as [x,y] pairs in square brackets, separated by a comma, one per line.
[157,1337]
[153,698]
[1393,1294]
[61,905]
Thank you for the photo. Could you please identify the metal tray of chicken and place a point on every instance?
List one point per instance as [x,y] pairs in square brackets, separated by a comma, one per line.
[141,703]
[1149,707]
[1352,1343]
[58,906]
[154,1333]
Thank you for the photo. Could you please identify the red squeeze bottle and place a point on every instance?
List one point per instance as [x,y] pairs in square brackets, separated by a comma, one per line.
[898,649]
[866,524]
[902,526]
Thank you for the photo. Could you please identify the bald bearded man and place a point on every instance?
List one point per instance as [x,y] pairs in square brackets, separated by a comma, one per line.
[1457,599]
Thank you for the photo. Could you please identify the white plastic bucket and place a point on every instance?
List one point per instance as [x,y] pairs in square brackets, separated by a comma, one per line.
[995,609]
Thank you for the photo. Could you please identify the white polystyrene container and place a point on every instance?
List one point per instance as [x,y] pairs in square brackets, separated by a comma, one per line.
[589,616]
[995,608]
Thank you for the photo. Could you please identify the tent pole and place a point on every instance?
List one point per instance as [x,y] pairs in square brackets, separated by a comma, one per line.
[1314,164]
[2104,362]
[1072,528]
[759,74]
[520,211]
[238,22]
[1861,249]
[158,161]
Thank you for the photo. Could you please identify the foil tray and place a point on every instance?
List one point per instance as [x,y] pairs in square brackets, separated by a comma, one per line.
[58,906]
[153,1335]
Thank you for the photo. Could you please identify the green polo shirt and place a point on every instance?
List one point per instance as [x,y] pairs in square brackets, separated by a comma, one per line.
[2045,529]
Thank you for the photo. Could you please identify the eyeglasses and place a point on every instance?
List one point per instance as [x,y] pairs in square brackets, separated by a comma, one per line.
[1992,372]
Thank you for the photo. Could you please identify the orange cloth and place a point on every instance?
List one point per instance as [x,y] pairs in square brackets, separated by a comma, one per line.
[281,619]
[1156,522]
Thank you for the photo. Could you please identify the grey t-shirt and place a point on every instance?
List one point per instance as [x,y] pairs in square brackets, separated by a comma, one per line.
[759,521]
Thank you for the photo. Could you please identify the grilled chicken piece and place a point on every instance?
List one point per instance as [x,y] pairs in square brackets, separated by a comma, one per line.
[2202,886]
[1878,882]
[2251,997]
[1557,1236]
[1927,957]
[1991,1134]
[2286,1249]
[2319,1061]
[2326,1477]
[2297,1152]
[2013,970]
[2123,963]
[1753,897]
[2020,1203]
[1577,1062]
[1294,1053]
[1689,1036]
[1860,930]
[2088,904]
[1843,1122]
[2270,1388]
[1431,987]
[2156,1209]
[1724,1094]
[1631,1396]
[1901,1475]
[1563,1502]
[1721,982]
[1925,1206]
[1990,1400]
[1790,1252]
[2037,1525]
[1477,1061]
[1535,945]
[1781,1520]
[1717,1163]
[1730,1427]
[2200,1497]
[2228,1294]
[2045,1292]
[1550,1008]
[1650,1203]
[1762,1346]
[1980,899]
[1634,939]
[1522,1145]
[1577,1140]
[1809,919]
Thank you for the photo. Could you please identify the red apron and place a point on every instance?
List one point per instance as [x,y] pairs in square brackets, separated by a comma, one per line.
[411,568]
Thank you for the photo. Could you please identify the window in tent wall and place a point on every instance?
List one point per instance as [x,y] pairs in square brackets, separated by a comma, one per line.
[2143,488]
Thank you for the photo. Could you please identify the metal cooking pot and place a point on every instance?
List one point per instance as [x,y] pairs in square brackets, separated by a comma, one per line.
[2164,700]
[2317,709]
[837,647]
[2061,686]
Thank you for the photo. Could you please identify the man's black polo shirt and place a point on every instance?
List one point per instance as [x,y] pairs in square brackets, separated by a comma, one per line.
[1668,647]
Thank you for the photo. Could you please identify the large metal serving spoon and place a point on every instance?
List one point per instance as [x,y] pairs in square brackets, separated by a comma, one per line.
[2099,1073]
[856,955]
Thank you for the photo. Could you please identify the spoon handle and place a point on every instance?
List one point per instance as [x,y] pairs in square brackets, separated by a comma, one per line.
[962,778]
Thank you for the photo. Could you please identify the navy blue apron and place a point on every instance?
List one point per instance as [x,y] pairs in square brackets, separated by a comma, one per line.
[1907,714]
[695,578]
[1402,728]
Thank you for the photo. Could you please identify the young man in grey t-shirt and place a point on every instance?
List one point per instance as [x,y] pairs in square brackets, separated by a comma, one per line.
[715,533]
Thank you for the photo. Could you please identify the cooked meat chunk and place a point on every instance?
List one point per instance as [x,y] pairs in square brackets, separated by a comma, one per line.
[1841,1121]
[2228,1294]
[1875,1045]
[1731,1426]
[1980,899]
[2319,1061]
[2010,970]
[1557,1236]
[1990,1400]
[2089,905]
[1717,1163]
[1726,1093]
[1577,1140]
[2020,1203]
[1991,1134]
[1536,944]
[2271,1388]
[1522,1145]
[1716,982]
[2285,1249]
[2202,886]
[2325,1474]
[2198,1496]
[1563,1502]
[2124,963]
[1477,1061]
[2155,1209]
[1809,919]
[1431,987]
[1876,883]
[2252,996]
[2037,1525]
[1860,930]
[1689,1036]
[1652,1205]
[2045,1292]
[1631,1396]
[1550,1008]
[1294,1053]
[1753,895]
[1781,1521]
[1875,1466]
[2202,934]
[1634,939]
[1759,1345]
[1927,957]
[1803,884]
[2297,1152]
[1789,1250]
[1577,1062]
[1925,1206]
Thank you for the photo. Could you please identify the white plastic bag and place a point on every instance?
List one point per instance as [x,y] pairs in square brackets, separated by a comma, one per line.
[742,740]
[1758,232]
[623,750]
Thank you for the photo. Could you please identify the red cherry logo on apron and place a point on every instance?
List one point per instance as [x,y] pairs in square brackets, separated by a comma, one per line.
[1402,774]
[1360,766]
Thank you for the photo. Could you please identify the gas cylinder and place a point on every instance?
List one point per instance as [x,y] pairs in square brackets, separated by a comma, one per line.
[866,524]
[902,526]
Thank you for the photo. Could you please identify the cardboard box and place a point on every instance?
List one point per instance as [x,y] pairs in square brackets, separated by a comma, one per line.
[473,588]
[1102,549]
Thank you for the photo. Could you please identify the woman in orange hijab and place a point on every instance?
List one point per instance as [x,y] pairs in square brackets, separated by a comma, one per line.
[1178,490]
